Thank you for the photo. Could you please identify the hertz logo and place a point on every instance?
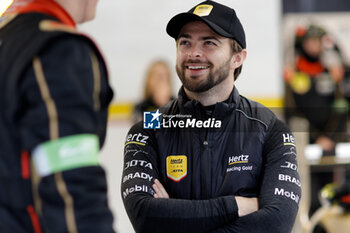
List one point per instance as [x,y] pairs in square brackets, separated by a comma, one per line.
[176,161]
[288,140]
[136,139]
[238,159]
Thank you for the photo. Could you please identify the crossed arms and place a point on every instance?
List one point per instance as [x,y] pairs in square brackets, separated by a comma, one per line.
[151,210]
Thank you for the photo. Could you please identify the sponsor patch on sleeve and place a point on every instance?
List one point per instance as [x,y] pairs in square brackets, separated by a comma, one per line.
[176,167]
[288,140]
[66,153]
[136,138]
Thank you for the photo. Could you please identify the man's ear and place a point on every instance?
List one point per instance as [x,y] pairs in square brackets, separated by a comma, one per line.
[239,58]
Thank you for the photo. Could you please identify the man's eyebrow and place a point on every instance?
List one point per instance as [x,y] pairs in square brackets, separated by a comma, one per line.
[211,38]
[187,36]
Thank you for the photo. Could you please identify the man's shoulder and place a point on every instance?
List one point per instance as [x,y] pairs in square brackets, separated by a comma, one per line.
[255,111]
[37,28]
[24,26]
[139,135]
[26,35]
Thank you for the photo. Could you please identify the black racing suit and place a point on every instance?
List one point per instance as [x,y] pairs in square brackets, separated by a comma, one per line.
[53,84]
[251,154]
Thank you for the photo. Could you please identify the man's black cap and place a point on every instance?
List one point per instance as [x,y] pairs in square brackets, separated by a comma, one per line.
[221,19]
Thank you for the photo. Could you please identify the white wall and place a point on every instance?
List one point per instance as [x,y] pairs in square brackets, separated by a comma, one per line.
[132,33]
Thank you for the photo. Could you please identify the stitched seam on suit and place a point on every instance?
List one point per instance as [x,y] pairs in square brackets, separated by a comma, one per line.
[251,118]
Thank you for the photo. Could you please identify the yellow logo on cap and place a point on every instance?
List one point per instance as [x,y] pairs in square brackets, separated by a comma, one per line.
[176,167]
[203,10]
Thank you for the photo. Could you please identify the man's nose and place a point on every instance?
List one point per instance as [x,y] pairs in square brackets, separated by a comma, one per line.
[195,51]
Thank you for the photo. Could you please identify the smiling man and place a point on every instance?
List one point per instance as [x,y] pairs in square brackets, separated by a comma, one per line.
[219,162]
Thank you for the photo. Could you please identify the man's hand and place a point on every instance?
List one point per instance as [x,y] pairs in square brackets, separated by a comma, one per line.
[160,191]
[246,205]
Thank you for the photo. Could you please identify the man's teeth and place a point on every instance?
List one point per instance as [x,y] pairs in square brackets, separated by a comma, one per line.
[197,67]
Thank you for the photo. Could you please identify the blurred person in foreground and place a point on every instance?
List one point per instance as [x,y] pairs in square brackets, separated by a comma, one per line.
[158,89]
[54,96]
[313,89]
[210,160]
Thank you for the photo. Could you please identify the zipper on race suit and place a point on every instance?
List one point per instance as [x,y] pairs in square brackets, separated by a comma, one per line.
[206,169]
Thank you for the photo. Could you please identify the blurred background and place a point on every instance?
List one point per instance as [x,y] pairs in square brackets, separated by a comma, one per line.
[298,65]
[132,35]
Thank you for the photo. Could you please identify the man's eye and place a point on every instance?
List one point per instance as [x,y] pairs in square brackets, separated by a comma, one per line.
[209,43]
[183,42]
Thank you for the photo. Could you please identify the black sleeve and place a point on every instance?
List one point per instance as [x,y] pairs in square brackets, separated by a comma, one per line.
[148,214]
[63,95]
[280,190]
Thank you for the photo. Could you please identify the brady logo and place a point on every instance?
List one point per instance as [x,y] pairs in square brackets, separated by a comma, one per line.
[288,178]
[288,139]
[140,175]
[176,167]
[238,159]
[151,120]
[136,139]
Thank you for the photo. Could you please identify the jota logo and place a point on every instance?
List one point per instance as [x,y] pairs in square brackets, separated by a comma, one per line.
[151,120]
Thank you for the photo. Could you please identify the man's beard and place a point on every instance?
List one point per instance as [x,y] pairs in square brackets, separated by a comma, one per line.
[214,77]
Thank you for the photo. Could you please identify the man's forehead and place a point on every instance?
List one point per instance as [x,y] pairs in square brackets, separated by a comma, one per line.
[198,27]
